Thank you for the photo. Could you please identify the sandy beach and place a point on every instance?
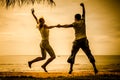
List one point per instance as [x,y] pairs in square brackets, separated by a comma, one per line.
[59,76]
[15,68]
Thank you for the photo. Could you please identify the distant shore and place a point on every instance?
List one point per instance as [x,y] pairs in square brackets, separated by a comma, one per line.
[84,75]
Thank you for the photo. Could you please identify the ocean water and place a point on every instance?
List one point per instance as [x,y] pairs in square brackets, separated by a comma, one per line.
[19,63]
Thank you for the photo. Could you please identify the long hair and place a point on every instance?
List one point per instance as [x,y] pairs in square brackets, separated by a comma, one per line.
[41,20]
[9,3]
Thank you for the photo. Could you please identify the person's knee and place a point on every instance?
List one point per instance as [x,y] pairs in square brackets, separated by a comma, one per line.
[53,57]
[43,58]
[71,60]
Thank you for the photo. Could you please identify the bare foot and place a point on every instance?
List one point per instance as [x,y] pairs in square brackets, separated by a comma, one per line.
[44,68]
[70,72]
[29,64]
[96,71]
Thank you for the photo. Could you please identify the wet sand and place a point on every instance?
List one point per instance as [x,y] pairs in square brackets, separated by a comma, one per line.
[59,76]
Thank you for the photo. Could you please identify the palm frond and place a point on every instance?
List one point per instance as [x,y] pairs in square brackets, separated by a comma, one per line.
[9,3]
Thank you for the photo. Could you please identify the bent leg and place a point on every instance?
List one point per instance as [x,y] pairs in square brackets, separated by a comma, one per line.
[71,59]
[52,56]
[43,52]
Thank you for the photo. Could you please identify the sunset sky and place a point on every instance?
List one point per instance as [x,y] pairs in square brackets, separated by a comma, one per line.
[19,36]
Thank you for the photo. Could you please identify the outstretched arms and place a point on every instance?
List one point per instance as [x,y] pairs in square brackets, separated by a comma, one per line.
[60,26]
[50,27]
[83,9]
[65,26]
[32,10]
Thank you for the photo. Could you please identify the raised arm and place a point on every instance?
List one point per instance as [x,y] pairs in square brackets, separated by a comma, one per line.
[83,9]
[32,10]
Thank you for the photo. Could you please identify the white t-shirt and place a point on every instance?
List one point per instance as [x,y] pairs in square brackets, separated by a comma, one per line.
[80,29]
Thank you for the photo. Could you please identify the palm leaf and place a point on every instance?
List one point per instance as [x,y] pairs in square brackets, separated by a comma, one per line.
[9,3]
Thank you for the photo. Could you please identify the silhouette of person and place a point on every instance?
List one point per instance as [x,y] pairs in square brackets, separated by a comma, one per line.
[80,41]
[44,45]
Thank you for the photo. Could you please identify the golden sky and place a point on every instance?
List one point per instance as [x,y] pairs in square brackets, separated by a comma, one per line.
[19,36]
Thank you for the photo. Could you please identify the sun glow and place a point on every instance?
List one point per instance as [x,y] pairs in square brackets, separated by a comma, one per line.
[18,33]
